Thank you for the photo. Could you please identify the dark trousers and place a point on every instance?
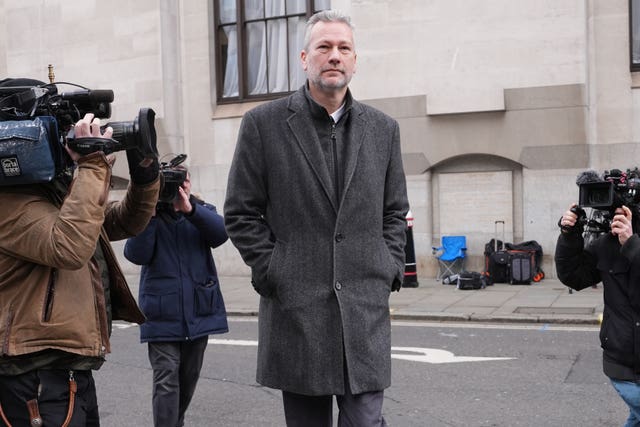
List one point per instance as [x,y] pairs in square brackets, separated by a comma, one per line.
[359,410]
[176,369]
[51,389]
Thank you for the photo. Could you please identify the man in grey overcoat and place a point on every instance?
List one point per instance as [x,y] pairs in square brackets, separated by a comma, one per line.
[316,205]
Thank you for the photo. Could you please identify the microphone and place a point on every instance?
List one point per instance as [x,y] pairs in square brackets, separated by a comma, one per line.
[588,176]
[88,95]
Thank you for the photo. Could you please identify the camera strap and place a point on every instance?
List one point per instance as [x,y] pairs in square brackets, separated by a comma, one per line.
[4,417]
[35,419]
[90,144]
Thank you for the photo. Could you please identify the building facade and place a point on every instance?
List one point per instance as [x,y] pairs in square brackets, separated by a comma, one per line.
[501,103]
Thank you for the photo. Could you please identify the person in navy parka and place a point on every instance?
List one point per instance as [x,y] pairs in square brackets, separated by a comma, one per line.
[179,295]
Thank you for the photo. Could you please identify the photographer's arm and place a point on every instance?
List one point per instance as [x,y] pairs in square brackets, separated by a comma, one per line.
[576,267]
[131,215]
[622,227]
[209,223]
[140,249]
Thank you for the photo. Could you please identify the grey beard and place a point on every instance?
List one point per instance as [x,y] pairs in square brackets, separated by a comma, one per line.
[318,82]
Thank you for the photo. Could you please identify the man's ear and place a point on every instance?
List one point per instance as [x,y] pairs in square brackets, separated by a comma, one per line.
[303,59]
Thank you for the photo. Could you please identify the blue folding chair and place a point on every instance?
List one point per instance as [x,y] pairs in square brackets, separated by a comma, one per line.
[451,255]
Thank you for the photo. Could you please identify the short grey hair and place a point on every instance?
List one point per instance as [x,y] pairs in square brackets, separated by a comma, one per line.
[325,16]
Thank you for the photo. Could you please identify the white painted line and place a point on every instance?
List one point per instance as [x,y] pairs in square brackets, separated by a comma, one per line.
[423,355]
[437,356]
[246,343]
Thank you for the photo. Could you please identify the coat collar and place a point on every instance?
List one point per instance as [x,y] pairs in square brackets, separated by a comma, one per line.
[301,124]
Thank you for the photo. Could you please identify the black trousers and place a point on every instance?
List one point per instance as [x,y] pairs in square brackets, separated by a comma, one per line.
[359,410]
[51,388]
[176,369]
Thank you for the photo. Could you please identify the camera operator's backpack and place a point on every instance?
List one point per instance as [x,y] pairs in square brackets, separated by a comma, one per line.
[30,152]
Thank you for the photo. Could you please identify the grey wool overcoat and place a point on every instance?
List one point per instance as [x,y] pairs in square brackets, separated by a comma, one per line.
[324,270]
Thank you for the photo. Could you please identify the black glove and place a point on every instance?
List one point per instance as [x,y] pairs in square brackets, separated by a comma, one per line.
[142,170]
[578,228]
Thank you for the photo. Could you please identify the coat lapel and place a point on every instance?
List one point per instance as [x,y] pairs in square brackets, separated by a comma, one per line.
[357,135]
[301,125]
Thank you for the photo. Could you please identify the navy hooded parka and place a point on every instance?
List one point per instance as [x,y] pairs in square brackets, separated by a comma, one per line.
[179,290]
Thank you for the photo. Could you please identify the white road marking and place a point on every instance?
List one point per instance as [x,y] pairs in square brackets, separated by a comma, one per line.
[424,355]
[437,356]
[245,343]
[123,325]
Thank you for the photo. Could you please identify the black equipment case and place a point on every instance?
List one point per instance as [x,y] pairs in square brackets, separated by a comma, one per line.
[497,258]
[470,280]
[522,267]
[534,248]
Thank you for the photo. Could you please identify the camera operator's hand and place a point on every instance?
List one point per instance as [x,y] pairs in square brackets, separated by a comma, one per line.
[570,220]
[142,170]
[88,127]
[621,225]
[182,202]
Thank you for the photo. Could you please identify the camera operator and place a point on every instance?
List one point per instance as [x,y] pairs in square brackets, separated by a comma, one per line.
[614,260]
[180,295]
[60,283]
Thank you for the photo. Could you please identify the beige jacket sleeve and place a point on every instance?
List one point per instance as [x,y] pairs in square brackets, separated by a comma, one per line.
[34,229]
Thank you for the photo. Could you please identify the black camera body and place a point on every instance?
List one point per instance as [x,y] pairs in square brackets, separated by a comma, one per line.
[36,121]
[616,189]
[173,177]
[604,194]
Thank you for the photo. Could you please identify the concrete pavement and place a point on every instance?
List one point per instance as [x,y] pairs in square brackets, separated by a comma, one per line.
[547,301]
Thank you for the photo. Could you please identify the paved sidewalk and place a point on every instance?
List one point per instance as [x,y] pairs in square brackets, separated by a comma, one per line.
[548,301]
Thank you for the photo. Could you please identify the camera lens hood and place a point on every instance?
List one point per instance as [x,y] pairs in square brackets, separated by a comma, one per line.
[147,133]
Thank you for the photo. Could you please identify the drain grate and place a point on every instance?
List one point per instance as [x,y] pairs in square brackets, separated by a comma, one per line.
[554,310]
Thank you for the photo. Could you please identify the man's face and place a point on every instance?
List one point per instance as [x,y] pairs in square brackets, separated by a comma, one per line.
[330,58]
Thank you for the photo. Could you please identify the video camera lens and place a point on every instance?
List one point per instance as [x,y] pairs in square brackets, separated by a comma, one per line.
[139,133]
[597,195]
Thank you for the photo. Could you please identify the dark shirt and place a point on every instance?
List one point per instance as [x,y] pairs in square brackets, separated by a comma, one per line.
[334,139]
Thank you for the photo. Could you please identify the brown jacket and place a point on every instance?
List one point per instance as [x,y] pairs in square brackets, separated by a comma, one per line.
[51,293]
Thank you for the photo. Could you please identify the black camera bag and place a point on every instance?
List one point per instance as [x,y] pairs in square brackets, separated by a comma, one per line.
[30,152]
[471,280]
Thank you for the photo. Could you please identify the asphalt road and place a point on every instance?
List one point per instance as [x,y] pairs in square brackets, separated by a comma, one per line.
[444,374]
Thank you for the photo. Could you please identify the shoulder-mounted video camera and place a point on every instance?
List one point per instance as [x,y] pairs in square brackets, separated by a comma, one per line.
[605,193]
[35,123]
[173,177]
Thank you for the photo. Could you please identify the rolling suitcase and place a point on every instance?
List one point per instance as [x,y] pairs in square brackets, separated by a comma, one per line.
[522,267]
[498,260]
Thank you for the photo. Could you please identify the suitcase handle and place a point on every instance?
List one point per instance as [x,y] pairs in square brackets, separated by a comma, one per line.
[496,234]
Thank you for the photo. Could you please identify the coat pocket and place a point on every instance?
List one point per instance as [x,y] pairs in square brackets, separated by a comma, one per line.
[206,297]
[160,306]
